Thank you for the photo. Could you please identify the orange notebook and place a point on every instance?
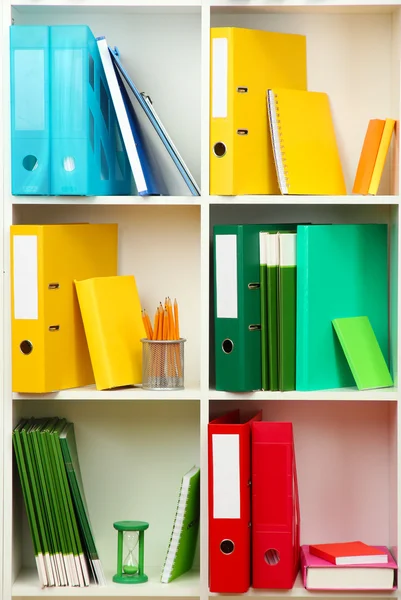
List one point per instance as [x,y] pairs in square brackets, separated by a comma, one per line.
[381,156]
[368,156]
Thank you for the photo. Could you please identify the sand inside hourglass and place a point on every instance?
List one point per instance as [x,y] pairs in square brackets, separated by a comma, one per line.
[130,566]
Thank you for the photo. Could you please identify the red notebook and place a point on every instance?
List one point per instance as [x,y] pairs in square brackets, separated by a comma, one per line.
[349,553]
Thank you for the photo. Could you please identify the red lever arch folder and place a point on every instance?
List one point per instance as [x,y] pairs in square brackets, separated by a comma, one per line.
[229,442]
[275,507]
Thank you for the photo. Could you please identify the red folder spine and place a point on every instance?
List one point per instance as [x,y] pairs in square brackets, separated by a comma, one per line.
[229,504]
[275,507]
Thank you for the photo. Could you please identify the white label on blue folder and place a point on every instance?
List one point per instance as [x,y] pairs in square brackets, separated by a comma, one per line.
[226,276]
[219,78]
[25,277]
[226,491]
[29,85]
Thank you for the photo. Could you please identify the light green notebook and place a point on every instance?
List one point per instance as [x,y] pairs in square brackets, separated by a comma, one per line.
[363,353]
[182,545]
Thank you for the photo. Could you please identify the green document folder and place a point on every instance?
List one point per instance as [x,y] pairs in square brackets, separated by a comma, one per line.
[342,271]
[363,353]
[287,308]
[272,258]
[71,461]
[263,311]
[182,545]
[237,306]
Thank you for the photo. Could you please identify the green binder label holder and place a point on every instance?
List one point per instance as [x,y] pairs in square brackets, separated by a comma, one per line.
[130,551]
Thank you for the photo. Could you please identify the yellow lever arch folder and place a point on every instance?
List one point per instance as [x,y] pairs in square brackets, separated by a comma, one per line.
[49,349]
[111,312]
[304,143]
[244,64]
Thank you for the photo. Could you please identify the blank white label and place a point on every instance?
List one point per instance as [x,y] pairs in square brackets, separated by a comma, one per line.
[29,86]
[226,276]
[219,78]
[226,488]
[25,277]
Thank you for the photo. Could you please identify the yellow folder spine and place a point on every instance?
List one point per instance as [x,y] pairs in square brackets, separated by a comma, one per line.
[222,149]
[27,334]
[381,156]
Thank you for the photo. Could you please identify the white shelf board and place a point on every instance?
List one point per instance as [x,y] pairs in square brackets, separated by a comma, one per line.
[115,4]
[298,591]
[108,200]
[27,584]
[331,6]
[274,199]
[346,394]
[191,392]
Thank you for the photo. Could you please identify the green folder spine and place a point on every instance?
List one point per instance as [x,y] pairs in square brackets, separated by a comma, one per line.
[29,503]
[237,317]
[183,540]
[263,311]
[272,309]
[287,283]
[342,271]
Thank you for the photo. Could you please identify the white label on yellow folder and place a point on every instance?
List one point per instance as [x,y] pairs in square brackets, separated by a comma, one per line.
[25,250]
[219,78]
[226,277]
[226,489]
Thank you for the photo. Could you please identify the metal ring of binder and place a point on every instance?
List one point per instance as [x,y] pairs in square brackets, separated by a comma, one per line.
[217,147]
[227,546]
[26,347]
[227,346]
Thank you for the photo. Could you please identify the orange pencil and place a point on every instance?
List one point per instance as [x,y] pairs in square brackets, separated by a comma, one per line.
[149,325]
[177,323]
[145,325]
[156,326]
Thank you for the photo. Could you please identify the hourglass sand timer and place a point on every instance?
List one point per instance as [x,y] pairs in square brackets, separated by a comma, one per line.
[130,551]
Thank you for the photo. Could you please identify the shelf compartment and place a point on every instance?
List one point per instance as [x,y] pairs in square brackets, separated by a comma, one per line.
[348,47]
[146,35]
[27,585]
[346,463]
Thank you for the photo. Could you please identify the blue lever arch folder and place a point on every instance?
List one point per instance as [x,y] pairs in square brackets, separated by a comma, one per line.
[67,141]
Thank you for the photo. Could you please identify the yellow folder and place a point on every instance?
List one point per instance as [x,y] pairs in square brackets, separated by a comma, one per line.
[111,312]
[49,349]
[244,64]
[304,143]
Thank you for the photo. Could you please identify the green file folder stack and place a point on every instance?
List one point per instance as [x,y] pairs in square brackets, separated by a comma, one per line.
[62,552]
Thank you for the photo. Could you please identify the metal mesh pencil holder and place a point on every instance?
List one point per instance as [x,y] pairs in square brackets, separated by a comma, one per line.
[163,364]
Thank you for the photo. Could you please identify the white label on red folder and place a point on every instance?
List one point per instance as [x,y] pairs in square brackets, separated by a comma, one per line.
[219,78]
[25,277]
[226,276]
[226,487]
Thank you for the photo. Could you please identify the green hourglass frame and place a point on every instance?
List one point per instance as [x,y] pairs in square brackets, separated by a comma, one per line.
[128,571]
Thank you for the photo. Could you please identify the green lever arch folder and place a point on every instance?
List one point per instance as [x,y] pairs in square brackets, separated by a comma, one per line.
[342,271]
[287,308]
[237,310]
[363,353]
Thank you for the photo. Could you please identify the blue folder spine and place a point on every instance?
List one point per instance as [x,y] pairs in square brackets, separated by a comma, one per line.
[30,110]
[87,156]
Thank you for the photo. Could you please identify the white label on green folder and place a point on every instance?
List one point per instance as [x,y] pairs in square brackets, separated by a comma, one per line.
[226,276]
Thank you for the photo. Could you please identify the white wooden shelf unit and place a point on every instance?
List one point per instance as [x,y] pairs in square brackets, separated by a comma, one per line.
[134,452]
